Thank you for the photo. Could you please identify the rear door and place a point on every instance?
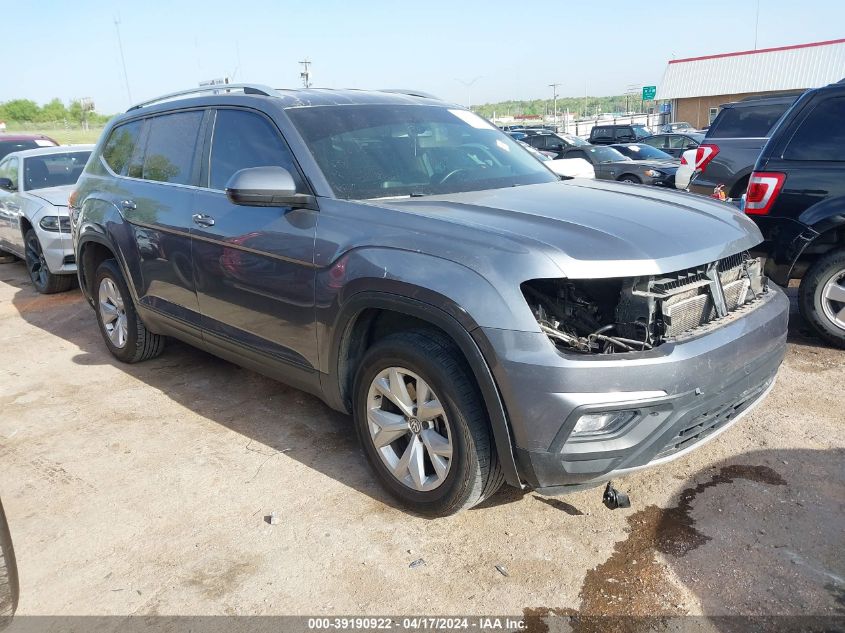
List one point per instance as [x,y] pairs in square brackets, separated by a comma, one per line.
[254,266]
[157,159]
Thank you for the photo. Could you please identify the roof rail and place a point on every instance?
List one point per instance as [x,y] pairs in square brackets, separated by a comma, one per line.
[410,93]
[247,89]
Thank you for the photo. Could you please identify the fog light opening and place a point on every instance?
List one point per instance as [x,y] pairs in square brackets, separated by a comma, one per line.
[602,423]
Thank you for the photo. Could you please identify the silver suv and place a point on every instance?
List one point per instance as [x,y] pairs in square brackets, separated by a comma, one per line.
[412,265]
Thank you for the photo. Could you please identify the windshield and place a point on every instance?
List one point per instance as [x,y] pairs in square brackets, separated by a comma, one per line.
[577,141]
[639,151]
[53,170]
[641,131]
[603,154]
[378,151]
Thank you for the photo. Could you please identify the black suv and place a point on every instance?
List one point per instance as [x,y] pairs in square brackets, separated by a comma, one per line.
[610,134]
[554,143]
[796,195]
[410,264]
[733,143]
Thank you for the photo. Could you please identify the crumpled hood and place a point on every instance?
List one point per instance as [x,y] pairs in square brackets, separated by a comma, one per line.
[57,196]
[593,228]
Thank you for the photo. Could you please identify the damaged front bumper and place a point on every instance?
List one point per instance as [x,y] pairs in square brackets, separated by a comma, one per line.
[672,398]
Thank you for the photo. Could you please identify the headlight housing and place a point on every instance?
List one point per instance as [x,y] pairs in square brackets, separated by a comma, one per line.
[55,224]
[654,173]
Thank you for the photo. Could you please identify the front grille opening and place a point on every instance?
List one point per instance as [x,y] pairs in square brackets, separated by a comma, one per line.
[614,316]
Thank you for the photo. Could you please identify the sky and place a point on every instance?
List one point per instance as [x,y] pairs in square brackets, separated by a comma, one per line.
[511,50]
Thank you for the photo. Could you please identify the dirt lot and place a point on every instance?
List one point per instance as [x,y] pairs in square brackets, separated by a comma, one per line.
[143,489]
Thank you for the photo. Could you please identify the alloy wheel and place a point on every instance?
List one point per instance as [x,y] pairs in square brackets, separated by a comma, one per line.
[409,429]
[112,312]
[36,265]
[833,299]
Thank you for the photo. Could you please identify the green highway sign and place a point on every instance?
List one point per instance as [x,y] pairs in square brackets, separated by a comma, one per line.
[649,92]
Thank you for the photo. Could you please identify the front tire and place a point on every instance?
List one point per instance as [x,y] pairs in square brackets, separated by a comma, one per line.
[423,425]
[44,281]
[125,334]
[631,179]
[822,297]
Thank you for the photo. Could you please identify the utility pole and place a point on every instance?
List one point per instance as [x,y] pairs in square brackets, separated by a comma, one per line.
[468,86]
[554,88]
[305,74]
[756,24]
[122,59]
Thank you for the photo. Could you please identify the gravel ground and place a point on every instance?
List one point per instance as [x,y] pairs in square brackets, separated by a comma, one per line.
[143,489]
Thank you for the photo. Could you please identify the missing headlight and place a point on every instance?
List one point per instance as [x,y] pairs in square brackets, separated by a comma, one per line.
[591,316]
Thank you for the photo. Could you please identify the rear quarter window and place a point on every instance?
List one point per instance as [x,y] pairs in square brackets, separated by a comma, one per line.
[602,132]
[822,134]
[121,145]
[747,122]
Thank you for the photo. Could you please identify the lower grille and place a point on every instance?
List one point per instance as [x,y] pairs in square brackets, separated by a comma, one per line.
[704,424]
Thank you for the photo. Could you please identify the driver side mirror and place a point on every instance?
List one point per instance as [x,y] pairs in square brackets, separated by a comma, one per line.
[267,187]
[7,184]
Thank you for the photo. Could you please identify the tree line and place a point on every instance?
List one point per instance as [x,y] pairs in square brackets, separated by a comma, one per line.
[27,111]
[578,106]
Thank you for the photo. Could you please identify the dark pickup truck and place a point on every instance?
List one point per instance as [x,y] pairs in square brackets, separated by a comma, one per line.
[733,143]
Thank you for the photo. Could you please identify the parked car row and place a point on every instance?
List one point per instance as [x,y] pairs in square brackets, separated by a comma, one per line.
[781,157]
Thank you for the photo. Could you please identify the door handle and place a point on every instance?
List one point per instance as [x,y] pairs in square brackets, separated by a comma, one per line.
[201,219]
[128,205]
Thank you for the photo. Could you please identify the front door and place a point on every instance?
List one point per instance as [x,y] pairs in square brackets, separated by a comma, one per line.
[254,266]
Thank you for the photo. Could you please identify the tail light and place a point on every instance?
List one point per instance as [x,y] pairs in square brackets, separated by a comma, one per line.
[704,154]
[683,160]
[763,189]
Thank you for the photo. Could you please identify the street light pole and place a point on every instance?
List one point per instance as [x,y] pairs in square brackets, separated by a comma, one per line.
[468,86]
[554,98]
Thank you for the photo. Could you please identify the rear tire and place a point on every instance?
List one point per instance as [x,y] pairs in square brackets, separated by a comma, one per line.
[8,574]
[822,297]
[425,361]
[125,334]
[44,281]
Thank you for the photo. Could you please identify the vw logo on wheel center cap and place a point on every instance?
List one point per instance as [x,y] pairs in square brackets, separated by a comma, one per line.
[415,424]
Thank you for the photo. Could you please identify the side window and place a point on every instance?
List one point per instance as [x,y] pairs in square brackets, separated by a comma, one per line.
[121,144]
[602,132]
[625,134]
[576,153]
[754,121]
[171,146]
[821,135]
[676,141]
[10,171]
[655,141]
[534,141]
[242,140]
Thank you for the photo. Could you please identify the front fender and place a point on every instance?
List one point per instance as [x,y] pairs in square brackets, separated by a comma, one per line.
[455,329]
